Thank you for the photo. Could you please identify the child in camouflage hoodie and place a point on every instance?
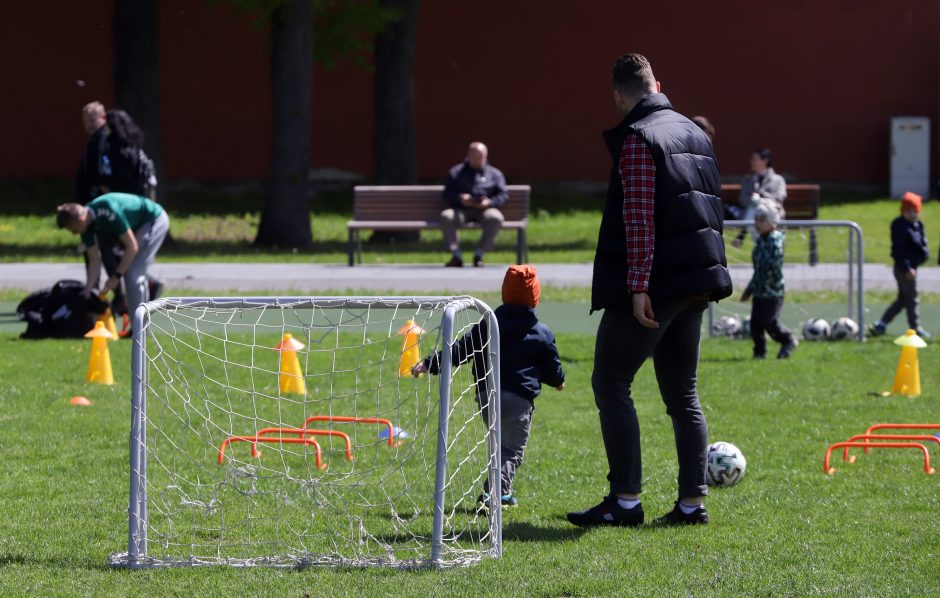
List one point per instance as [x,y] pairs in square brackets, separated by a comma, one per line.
[767,286]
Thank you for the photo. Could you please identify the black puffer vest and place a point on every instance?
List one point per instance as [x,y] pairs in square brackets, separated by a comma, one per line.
[689,255]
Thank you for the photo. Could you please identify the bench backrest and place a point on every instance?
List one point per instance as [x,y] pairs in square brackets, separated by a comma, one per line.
[423,202]
[802,201]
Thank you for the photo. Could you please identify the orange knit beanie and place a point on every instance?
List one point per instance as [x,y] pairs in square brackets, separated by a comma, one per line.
[521,286]
[912,201]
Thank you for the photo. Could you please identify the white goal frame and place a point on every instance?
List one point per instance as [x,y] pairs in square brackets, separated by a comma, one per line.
[855,257]
[137,557]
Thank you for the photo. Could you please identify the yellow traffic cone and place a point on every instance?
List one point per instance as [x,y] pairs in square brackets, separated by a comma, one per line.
[99,364]
[410,353]
[907,378]
[290,376]
[108,317]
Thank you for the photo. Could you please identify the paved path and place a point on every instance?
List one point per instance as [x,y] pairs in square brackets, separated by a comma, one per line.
[311,278]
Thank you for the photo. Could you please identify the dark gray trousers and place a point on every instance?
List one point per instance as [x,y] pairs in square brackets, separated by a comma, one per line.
[516,421]
[622,346]
[907,300]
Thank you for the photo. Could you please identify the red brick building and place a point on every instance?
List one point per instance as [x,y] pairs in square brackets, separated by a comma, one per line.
[815,81]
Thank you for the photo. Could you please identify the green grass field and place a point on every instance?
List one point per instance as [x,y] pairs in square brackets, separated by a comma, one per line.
[563,231]
[786,529]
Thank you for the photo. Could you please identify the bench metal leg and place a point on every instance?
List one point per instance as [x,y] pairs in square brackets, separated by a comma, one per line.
[522,248]
[813,248]
[359,245]
[352,248]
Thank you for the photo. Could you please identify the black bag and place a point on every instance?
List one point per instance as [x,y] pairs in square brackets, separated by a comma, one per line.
[59,311]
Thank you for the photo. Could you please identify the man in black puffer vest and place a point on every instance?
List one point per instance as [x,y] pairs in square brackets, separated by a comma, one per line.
[660,259]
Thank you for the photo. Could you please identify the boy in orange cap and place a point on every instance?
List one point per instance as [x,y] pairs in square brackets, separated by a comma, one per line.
[528,359]
[909,250]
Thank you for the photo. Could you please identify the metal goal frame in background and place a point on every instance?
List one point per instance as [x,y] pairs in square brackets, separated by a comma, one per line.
[856,261]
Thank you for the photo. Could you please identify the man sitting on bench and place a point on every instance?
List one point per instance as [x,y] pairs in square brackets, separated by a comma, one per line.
[474,191]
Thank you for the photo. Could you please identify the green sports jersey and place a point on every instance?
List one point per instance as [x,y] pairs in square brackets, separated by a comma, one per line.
[116,213]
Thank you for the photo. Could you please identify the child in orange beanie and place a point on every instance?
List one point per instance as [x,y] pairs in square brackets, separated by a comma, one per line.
[528,359]
[909,250]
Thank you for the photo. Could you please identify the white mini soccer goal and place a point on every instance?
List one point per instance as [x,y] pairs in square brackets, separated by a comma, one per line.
[290,432]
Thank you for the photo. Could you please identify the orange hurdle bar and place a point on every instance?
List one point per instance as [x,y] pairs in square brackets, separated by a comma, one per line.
[306,432]
[845,451]
[831,470]
[871,429]
[255,439]
[361,420]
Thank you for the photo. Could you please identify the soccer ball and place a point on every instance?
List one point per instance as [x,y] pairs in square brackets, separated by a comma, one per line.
[816,329]
[843,329]
[726,464]
[726,326]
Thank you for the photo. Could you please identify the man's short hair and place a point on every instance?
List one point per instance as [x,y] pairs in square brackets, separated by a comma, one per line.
[67,213]
[633,75]
[95,108]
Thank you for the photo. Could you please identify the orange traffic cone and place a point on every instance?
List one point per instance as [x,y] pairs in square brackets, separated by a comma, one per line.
[907,377]
[99,364]
[290,376]
[410,353]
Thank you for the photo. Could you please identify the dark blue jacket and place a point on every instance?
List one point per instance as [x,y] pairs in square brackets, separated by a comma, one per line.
[908,243]
[486,182]
[528,355]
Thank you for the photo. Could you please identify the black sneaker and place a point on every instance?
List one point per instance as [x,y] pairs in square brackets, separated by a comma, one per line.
[455,262]
[506,500]
[760,356]
[676,517]
[478,261]
[787,350]
[608,512]
[877,329]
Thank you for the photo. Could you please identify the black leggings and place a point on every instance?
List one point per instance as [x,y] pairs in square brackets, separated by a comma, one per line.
[765,318]
[623,345]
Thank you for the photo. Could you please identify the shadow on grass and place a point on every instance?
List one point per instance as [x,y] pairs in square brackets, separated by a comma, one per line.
[523,531]
[58,563]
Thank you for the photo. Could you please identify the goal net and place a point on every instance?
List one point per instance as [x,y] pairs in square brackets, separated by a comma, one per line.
[290,432]
[823,273]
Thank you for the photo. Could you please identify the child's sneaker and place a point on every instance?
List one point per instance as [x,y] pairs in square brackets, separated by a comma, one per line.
[608,512]
[506,500]
[676,517]
[876,329]
[787,350]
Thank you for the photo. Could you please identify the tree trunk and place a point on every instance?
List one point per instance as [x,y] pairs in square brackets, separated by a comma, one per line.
[137,70]
[394,146]
[285,219]
[395,151]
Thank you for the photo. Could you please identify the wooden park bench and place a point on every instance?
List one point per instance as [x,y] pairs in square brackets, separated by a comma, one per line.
[419,207]
[802,203]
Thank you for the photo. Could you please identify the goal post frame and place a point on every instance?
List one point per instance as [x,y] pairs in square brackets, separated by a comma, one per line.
[856,263]
[136,556]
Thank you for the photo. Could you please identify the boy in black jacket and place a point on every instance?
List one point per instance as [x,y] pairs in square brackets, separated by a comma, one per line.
[909,250]
[528,359]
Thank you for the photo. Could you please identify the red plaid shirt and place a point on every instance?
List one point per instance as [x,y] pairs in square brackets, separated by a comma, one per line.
[638,176]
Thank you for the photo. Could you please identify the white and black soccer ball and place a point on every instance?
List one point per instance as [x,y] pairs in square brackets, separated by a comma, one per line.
[816,329]
[726,464]
[726,326]
[843,329]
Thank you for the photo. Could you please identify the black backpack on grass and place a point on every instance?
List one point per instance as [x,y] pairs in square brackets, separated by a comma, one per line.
[59,311]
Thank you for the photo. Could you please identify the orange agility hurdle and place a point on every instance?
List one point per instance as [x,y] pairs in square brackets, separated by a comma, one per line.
[307,432]
[872,429]
[831,470]
[361,420]
[255,439]
[845,451]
